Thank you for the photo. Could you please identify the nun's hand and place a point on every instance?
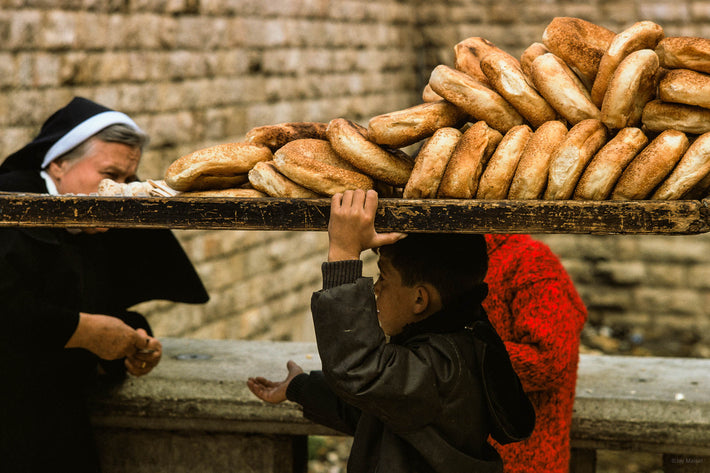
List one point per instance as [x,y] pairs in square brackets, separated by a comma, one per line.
[107,337]
[146,357]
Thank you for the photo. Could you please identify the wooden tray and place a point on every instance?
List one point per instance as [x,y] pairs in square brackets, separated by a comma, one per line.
[436,215]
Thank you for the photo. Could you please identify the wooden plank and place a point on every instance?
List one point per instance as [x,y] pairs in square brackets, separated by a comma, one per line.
[438,215]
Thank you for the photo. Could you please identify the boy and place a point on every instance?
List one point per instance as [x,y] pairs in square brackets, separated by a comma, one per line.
[427,399]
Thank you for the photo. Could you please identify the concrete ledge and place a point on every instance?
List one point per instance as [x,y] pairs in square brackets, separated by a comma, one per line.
[643,403]
[197,401]
[201,385]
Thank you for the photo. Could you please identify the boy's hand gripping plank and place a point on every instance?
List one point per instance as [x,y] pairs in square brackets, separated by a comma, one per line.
[351,228]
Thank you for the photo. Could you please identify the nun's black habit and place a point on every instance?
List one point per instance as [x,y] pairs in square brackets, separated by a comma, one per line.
[48,276]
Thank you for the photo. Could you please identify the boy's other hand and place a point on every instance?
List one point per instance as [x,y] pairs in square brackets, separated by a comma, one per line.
[351,228]
[273,391]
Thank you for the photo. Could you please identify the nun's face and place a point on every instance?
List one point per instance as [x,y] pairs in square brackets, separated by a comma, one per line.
[103,160]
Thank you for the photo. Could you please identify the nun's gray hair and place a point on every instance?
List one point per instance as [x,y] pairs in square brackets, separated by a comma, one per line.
[118,133]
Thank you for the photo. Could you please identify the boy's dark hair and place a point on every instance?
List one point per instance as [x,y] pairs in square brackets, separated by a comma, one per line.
[452,263]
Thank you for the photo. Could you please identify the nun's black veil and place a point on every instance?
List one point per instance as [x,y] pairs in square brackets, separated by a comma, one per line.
[123,266]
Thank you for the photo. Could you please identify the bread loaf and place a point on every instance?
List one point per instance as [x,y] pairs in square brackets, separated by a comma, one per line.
[659,116]
[319,168]
[428,95]
[692,168]
[567,163]
[631,87]
[684,52]
[235,193]
[217,167]
[430,164]
[108,187]
[320,150]
[275,136]
[579,43]
[701,190]
[529,55]
[468,54]
[349,140]
[605,168]
[686,87]
[507,78]
[640,35]
[498,174]
[530,178]
[651,166]
[474,98]
[460,180]
[413,124]
[562,89]
[266,178]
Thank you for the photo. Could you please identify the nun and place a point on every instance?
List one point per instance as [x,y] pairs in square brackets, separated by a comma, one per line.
[66,294]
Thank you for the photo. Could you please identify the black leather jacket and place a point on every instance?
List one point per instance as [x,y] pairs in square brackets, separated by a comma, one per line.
[418,403]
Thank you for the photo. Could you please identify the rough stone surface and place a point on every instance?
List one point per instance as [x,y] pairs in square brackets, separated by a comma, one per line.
[195,411]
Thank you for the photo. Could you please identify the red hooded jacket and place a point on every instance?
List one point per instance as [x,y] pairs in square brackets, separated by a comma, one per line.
[533,305]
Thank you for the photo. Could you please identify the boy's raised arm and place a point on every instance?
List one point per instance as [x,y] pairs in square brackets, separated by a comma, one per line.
[351,228]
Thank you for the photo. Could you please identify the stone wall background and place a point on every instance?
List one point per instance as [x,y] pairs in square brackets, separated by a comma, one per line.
[199,72]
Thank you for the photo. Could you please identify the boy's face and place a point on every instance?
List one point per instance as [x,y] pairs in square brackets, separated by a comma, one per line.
[395,302]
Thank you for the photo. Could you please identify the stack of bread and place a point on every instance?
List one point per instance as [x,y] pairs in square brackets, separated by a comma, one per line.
[586,113]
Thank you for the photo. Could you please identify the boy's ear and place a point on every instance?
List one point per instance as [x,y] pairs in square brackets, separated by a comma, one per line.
[422,300]
[426,300]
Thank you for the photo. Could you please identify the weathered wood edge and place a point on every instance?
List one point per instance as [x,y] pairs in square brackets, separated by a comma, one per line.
[431,216]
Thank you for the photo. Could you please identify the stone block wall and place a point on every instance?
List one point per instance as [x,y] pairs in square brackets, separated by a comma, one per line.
[199,72]
[645,294]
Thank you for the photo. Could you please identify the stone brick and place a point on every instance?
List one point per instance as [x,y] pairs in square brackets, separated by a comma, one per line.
[223,7]
[606,298]
[433,13]
[504,13]
[21,29]
[665,275]
[283,61]
[583,246]
[619,15]
[26,108]
[77,68]
[8,76]
[698,276]
[475,13]
[622,273]
[168,129]
[108,95]
[58,30]
[691,249]
[221,123]
[665,12]
[679,323]
[658,300]
[113,67]
[142,30]
[626,319]
[24,71]
[91,33]
[11,136]
[585,10]
[580,271]
[352,11]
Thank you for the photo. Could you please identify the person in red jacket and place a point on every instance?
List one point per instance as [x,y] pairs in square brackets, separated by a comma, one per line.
[536,310]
